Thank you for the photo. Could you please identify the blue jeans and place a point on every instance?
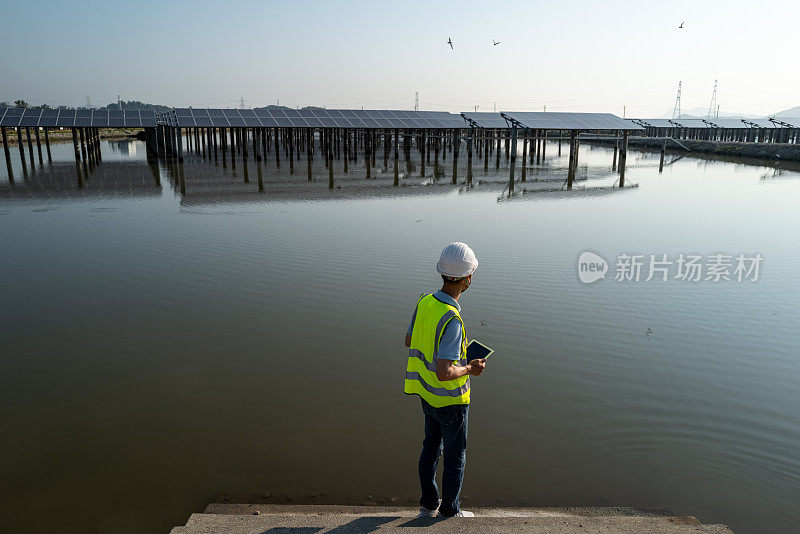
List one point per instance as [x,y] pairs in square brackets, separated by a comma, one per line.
[445,428]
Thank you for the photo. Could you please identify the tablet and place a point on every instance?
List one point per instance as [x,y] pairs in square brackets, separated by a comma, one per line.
[476,349]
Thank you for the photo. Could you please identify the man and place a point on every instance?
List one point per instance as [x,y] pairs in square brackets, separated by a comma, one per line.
[438,372]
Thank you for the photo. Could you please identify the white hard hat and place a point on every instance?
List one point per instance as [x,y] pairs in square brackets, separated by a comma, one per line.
[457,261]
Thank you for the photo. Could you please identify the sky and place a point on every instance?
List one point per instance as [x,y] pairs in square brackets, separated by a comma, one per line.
[611,56]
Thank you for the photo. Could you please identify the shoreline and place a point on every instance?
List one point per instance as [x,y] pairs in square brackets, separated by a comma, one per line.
[65,136]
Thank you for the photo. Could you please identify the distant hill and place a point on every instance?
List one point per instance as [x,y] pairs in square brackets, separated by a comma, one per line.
[700,113]
[135,105]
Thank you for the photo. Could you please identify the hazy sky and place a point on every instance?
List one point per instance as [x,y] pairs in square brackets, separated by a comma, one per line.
[570,56]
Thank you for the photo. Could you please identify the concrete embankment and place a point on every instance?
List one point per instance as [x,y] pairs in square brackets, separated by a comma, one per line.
[764,151]
[260,518]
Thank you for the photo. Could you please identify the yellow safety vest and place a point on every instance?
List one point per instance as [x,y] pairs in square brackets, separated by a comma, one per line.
[432,316]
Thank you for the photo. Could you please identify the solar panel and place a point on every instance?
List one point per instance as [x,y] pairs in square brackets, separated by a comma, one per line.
[30,117]
[132,119]
[268,121]
[357,122]
[219,122]
[116,119]
[794,121]
[11,117]
[100,119]
[334,113]
[486,120]
[690,123]
[759,123]
[370,123]
[292,113]
[314,122]
[277,113]
[283,122]
[216,113]
[66,118]
[570,121]
[183,112]
[184,121]
[148,119]
[83,122]
[84,113]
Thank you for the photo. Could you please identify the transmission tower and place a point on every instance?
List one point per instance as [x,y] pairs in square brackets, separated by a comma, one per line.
[713,106]
[88,102]
[676,113]
[416,101]
[119,103]
[241,102]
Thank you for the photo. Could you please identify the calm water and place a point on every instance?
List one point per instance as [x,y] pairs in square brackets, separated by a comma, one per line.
[159,348]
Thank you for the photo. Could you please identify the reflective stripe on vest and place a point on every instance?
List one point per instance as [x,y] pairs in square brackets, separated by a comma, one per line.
[430,318]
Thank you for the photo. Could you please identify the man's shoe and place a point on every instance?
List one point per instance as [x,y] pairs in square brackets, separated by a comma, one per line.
[427,512]
[464,513]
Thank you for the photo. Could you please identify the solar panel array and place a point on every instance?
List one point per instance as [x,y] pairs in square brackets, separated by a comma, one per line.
[794,121]
[315,118]
[759,123]
[726,123]
[690,123]
[657,123]
[485,119]
[570,121]
[80,118]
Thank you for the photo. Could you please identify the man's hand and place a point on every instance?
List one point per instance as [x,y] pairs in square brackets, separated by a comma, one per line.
[476,366]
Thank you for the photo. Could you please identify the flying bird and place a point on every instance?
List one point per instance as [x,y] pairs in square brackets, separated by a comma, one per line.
[450,42]
[495,43]
[681,26]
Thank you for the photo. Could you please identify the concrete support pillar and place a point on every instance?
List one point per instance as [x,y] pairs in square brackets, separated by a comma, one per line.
[396,157]
[456,146]
[39,146]
[470,141]
[573,148]
[513,148]
[7,154]
[623,156]
[329,149]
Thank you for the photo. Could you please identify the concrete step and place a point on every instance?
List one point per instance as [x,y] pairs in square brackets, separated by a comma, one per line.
[407,511]
[310,519]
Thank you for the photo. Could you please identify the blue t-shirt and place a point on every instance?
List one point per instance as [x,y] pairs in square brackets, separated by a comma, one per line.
[450,344]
